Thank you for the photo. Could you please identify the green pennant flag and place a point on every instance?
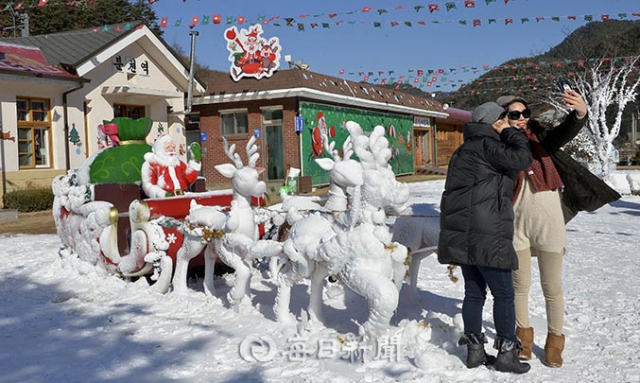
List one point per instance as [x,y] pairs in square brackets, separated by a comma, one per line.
[261,18]
[418,7]
[524,20]
[230,20]
[408,23]
[106,28]
[325,25]
[622,15]
[392,72]
[289,21]
[435,22]
[555,18]
[381,11]
[8,6]
[463,22]
[377,24]
[276,24]
[300,27]
[588,17]
[351,22]
[450,6]
[489,1]
[370,73]
[351,12]
[491,21]
[205,20]
[128,26]
[392,79]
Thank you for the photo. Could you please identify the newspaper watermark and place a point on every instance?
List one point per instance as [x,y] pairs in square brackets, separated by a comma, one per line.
[300,348]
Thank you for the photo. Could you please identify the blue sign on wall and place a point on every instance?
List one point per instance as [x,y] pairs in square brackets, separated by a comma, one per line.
[299,123]
[203,136]
[257,132]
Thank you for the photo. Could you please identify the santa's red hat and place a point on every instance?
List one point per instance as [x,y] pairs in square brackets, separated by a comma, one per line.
[253,33]
[319,116]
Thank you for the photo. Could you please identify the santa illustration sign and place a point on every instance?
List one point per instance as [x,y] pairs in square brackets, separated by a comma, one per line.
[250,54]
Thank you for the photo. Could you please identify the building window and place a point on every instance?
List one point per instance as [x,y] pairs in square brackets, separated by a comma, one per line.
[234,122]
[131,111]
[34,133]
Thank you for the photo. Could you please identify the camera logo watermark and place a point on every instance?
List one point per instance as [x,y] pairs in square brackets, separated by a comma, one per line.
[258,349]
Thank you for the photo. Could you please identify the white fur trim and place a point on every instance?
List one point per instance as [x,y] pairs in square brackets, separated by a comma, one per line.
[195,165]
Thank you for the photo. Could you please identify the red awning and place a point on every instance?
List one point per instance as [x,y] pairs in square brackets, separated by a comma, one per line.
[458,115]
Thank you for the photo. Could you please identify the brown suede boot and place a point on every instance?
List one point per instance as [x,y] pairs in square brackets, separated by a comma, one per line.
[553,350]
[526,337]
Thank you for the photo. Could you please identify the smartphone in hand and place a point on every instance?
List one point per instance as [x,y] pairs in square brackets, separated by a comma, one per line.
[563,85]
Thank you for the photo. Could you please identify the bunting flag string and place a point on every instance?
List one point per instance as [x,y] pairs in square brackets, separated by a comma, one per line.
[278,21]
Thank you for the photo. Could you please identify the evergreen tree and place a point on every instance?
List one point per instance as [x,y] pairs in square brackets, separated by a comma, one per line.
[64,15]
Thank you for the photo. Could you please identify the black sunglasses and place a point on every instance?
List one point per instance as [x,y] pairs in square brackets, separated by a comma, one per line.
[515,115]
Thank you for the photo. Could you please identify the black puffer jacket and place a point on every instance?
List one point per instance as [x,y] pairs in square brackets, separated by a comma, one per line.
[582,191]
[476,219]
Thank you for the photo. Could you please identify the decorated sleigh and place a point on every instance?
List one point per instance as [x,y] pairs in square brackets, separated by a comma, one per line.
[103,216]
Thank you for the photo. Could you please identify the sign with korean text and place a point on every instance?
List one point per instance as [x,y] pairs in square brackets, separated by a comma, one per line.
[131,65]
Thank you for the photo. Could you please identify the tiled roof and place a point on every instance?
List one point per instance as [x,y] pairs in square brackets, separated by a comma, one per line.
[75,47]
[221,83]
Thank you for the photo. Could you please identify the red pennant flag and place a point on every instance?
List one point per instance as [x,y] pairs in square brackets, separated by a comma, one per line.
[440,71]
[399,81]
[332,15]
[397,87]
[217,19]
[429,83]
[240,20]
[434,79]
[394,23]
[636,14]
[19,6]
[469,4]
[313,25]
[399,7]
[416,80]
[420,72]
[477,22]
[538,19]
[94,30]
[383,82]
[433,7]
[581,63]
[380,72]
[341,71]
[422,22]
[163,22]
[366,9]
[508,21]
[42,3]
[194,21]
[571,17]
[506,1]
[366,78]
[401,76]
[603,17]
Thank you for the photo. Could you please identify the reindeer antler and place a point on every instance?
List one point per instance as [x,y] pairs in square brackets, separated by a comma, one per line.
[330,148]
[231,153]
[347,149]
[252,152]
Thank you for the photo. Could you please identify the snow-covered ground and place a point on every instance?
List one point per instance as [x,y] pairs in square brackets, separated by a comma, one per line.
[60,321]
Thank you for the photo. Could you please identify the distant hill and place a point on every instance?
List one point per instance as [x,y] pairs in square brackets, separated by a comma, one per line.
[611,38]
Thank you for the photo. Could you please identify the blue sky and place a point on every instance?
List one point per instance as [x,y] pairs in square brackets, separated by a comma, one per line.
[356,46]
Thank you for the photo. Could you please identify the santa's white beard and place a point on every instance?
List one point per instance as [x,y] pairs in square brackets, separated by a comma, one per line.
[168,160]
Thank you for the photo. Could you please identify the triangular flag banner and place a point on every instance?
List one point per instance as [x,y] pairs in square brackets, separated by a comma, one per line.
[524,20]
[508,21]
[377,24]
[240,20]
[217,19]
[418,7]
[469,4]
[230,20]
[177,24]
[325,25]
[42,3]
[477,22]
[463,22]
[300,27]
[491,21]
[433,7]
[408,23]
[194,21]
[381,11]
[450,6]
[205,20]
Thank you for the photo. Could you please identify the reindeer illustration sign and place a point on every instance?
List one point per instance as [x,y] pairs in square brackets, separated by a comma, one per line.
[250,54]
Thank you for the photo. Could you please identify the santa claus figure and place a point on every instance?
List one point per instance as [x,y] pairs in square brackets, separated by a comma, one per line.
[164,174]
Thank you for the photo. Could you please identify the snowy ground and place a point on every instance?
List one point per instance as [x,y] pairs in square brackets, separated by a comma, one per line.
[63,322]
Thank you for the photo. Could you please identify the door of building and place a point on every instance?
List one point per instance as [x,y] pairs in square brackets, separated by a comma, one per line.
[422,150]
[275,152]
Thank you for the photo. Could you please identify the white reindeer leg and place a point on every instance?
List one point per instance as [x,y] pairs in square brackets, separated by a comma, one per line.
[164,281]
[210,256]
[283,299]
[243,273]
[191,246]
[315,293]
[382,296]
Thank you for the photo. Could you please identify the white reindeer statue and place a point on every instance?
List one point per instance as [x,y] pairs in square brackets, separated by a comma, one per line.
[359,251]
[296,255]
[227,236]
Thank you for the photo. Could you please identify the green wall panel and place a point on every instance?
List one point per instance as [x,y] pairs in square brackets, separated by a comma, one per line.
[398,128]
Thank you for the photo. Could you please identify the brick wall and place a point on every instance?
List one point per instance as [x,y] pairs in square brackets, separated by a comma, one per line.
[213,152]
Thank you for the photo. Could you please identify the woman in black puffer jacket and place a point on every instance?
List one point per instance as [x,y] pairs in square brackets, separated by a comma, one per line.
[476,229]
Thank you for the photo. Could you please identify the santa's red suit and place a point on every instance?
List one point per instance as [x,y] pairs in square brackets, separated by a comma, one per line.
[164,174]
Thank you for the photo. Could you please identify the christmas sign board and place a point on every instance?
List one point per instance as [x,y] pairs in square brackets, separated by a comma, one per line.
[321,120]
[250,54]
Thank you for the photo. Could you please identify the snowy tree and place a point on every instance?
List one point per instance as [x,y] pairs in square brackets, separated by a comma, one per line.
[605,84]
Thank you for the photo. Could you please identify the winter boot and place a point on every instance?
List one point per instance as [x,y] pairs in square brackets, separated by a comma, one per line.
[475,350]
[507,360]
[553,350]
[526,338]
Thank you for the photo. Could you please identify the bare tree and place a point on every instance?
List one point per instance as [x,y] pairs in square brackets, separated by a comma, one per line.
[605,84]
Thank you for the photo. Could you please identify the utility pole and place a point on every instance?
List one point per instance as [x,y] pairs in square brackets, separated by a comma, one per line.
[192,65]
[25,24]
